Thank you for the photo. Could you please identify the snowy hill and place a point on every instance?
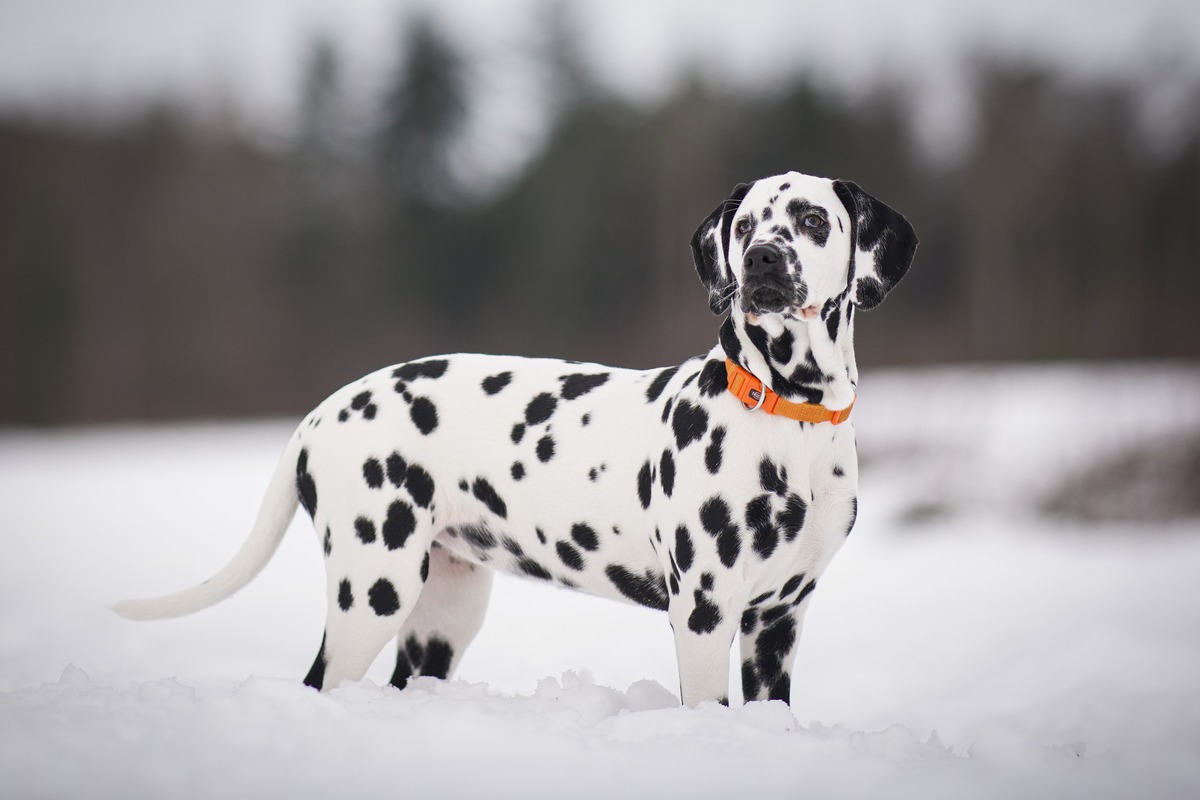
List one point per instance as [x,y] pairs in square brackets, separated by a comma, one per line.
[1017,613]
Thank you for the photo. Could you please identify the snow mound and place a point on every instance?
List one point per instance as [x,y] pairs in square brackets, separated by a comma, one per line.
[569,738]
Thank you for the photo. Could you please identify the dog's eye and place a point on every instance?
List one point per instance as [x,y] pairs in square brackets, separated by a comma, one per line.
[813,221]
[742,227]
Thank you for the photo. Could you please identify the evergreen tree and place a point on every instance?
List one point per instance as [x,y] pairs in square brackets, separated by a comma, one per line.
[424,109]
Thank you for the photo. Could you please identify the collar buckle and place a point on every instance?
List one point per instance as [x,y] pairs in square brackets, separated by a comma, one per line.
[762,398]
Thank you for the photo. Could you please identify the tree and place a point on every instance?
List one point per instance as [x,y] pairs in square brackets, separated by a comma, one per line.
[423,113]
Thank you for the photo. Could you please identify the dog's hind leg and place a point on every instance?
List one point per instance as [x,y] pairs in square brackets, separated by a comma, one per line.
[445,619]
[366,608]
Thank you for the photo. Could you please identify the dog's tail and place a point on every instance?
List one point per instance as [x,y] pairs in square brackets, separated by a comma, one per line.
[274,515]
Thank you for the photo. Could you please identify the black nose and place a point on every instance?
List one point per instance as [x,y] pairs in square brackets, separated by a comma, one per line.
[761,259]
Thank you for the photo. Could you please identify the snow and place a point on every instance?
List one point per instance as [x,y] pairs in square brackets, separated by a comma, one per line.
[963,644]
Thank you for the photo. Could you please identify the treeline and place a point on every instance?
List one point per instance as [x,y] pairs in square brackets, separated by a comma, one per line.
[154,270]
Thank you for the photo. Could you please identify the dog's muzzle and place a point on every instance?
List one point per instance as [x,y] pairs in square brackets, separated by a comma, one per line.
[766,286]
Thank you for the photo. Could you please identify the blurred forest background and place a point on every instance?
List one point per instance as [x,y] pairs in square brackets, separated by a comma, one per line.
[153,268]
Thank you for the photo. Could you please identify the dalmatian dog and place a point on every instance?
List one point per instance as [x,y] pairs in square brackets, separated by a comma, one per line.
[688,489]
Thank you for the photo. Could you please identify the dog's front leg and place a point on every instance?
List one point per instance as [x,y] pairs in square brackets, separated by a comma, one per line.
[704,629]
[768,648]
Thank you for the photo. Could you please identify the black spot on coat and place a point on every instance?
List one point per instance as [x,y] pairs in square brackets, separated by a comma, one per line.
[518,471]
[397,469]
[306,486]
[791,519]
[420,485]
[399,525]
[545,448]
[781,347]
[714,516]
[383,598]
[421,369]
[714,378]
[771,650]
[805,592]
[750,683]
[584,536]
[666,473]
[775,612]
[373,473]
[569,555]
[518,433]
[438,657]
[580,384]
[660,383]
[485,493]
[647,589]
[792,584]
[832,320]
[494,383]
[729,546]
[533,569]
[758,519]
[772,477]
[690,423]
[424,415]
[478,536]
[365,530]
[316,674]
[713,454]
[705,617]
[403,671]
[540,408]
[345,596]
[730,342]
[643,485]
[685,551]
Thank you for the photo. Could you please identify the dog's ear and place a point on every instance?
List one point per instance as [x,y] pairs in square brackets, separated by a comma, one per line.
[882,244]
[710,250]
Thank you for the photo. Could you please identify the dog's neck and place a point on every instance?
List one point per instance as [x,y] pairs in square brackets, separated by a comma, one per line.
[808,361]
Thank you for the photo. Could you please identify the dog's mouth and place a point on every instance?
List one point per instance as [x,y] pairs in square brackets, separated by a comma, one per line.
[765,300]
[771,298]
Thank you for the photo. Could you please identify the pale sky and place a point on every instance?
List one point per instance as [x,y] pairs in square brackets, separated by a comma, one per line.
[244,56]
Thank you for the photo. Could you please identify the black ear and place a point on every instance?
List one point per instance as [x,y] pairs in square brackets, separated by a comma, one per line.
[710,245]
[882,244]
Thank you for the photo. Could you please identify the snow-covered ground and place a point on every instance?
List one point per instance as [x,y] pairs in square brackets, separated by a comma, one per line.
[964,643]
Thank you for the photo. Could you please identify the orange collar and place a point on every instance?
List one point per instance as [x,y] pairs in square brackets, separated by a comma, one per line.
[754,395]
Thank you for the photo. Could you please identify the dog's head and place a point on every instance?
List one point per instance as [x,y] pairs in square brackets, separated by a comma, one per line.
[791,244]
